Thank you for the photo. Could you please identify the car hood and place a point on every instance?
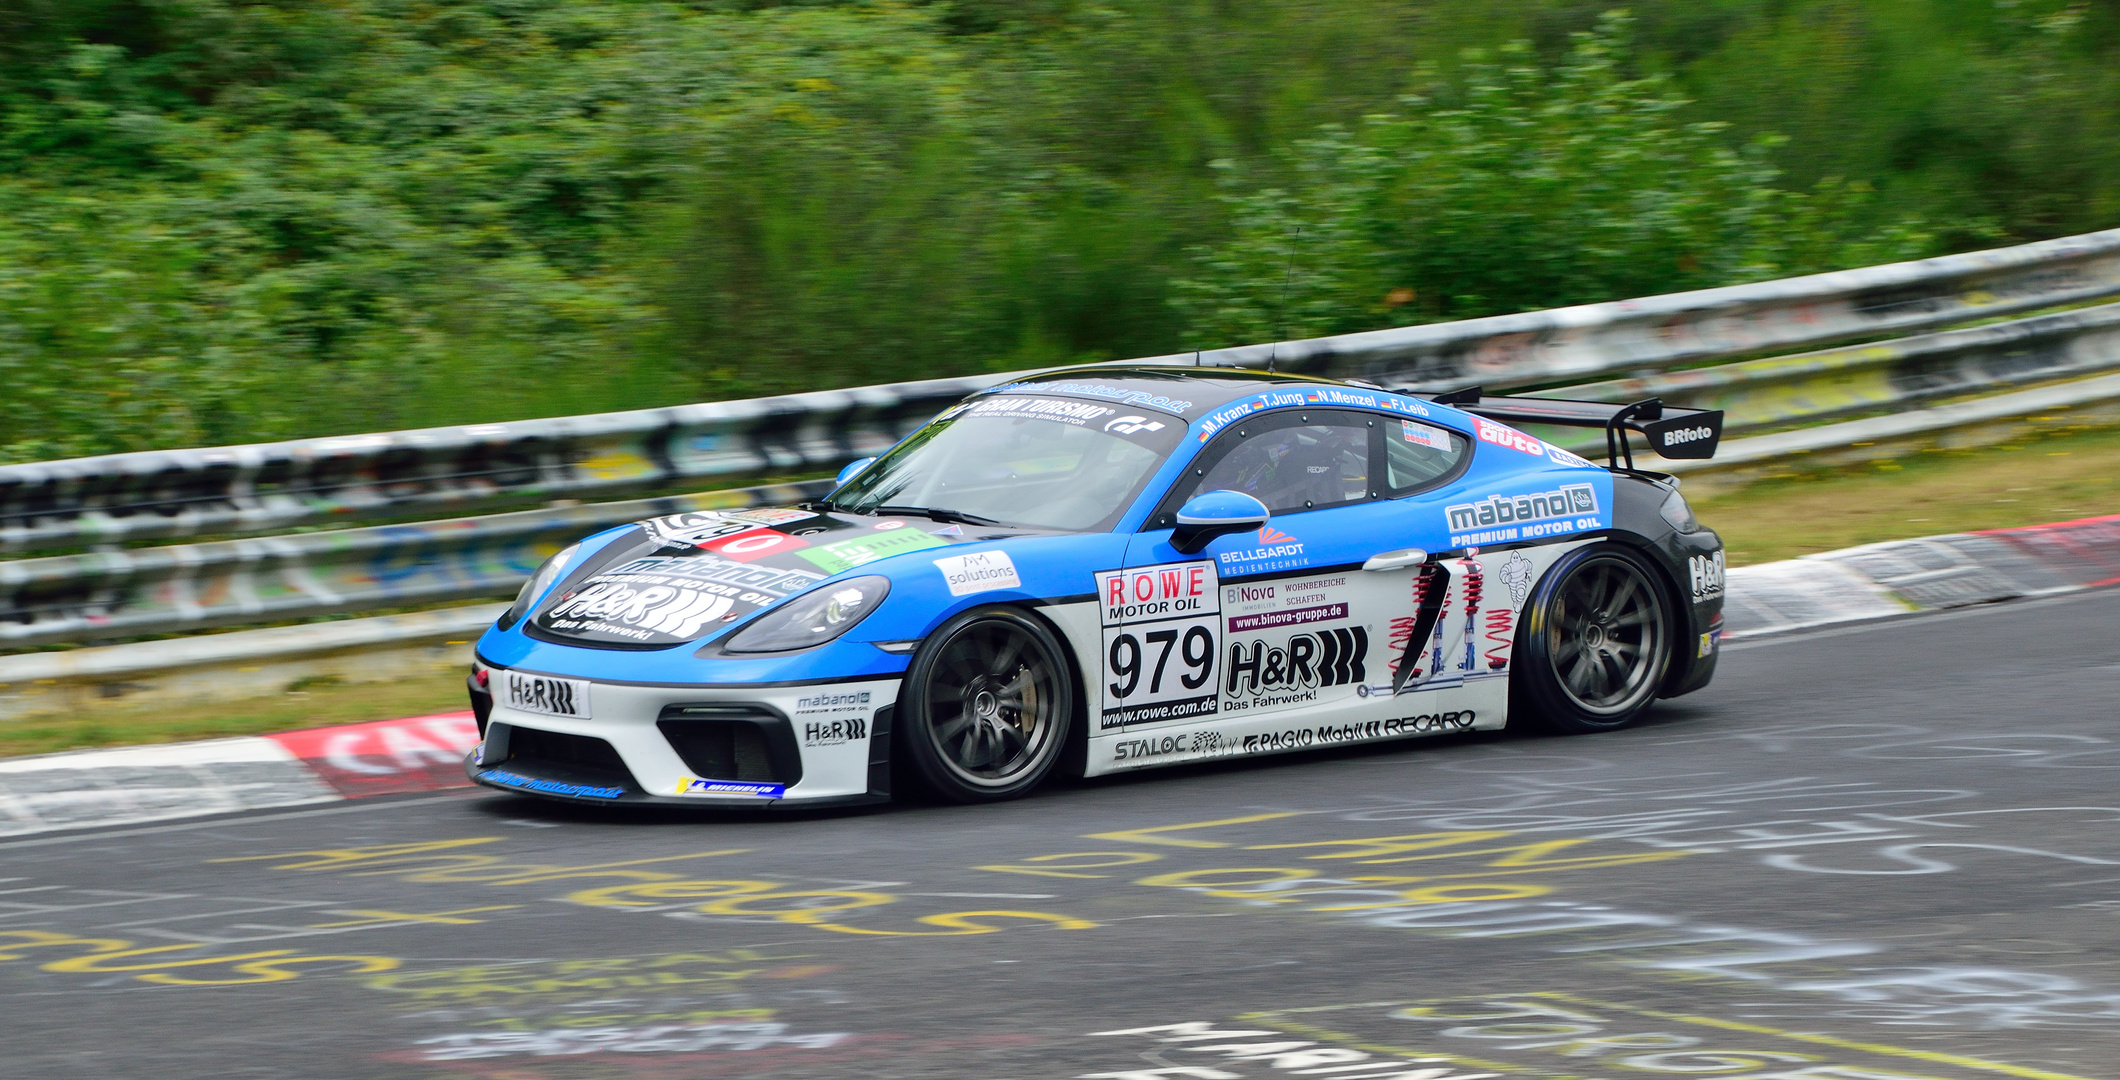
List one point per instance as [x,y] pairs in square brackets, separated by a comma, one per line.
[676,579]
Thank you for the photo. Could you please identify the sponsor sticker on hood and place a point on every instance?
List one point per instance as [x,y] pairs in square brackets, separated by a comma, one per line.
[980,571]
[668,599]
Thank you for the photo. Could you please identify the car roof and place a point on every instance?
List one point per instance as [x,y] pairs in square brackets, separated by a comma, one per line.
[1200,389]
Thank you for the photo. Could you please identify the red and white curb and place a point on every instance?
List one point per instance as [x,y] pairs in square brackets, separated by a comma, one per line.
[1933,573]
[134,784]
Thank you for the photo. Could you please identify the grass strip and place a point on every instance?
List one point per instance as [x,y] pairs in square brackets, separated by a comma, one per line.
[2046,477]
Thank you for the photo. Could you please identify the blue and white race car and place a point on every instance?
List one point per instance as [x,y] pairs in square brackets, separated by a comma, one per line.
[1107,569]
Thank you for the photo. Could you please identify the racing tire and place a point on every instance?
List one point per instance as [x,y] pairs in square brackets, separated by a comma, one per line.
[1595,642]
[986,707]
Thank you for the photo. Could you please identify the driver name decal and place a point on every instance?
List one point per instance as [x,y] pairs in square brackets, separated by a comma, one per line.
[1161,639]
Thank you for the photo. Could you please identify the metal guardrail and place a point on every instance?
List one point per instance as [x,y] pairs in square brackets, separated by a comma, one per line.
[264,487]
[113,594]
[360,478]
[232,491]
[1571,344]
[1907,373]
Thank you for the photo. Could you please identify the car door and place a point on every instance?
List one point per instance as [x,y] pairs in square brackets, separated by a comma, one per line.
[1308,647]
[1259,624]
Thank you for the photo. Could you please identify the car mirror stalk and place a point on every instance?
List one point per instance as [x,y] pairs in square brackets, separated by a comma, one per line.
[1213,514]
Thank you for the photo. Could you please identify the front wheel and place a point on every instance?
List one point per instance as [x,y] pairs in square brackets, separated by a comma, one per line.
[987,705]
[1595,642]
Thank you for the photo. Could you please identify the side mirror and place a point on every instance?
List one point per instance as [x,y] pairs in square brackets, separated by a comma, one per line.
[1215,513]
[852,470]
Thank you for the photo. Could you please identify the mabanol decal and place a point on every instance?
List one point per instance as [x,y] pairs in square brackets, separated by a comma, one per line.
[1162,633]
[1501,519]
[853,701]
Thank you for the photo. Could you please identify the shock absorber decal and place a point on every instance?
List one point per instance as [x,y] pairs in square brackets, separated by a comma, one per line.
[1474,578]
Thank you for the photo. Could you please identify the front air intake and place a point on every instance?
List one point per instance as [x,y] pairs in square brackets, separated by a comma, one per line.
[554,755]
[733,742]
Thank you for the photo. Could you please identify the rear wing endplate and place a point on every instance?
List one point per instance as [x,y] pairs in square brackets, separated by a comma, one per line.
[1673,431]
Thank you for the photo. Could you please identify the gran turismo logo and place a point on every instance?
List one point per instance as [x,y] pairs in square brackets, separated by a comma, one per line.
[1128,425]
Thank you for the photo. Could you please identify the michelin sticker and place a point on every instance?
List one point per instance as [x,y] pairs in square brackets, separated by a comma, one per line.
[690,785]
[978,572]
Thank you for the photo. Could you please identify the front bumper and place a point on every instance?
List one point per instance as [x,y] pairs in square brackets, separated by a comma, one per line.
[718,746]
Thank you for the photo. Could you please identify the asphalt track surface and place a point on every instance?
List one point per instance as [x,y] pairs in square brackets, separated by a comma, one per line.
[1882,853]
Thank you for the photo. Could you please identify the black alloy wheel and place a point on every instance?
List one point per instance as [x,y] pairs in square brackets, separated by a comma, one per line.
[988,702]
[1595,642]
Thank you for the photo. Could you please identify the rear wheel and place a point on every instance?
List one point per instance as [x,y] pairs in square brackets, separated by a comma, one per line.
[987,706]
[1595,642]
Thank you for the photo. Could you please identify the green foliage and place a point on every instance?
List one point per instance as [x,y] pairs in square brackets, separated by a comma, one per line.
[1518,188]
[234,220]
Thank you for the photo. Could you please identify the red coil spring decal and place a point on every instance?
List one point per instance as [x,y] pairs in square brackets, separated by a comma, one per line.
[1402,628]
[1501,624]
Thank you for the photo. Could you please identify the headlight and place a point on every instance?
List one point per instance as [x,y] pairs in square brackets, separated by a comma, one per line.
[813,618]
[1680,515]
[539,582]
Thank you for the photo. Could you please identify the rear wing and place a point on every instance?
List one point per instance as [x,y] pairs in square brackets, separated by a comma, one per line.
[1673,431]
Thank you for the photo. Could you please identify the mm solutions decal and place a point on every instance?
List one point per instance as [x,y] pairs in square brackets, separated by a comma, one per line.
[1162,634]
[978,572]
[1501,519]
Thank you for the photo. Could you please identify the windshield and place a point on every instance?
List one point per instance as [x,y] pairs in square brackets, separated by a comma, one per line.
[1041,462]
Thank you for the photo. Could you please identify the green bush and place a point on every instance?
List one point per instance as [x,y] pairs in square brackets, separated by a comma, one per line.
[1517,188]
[235,220]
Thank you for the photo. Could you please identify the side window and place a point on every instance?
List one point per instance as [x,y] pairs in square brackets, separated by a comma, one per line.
[1291,462]
[1419,456]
